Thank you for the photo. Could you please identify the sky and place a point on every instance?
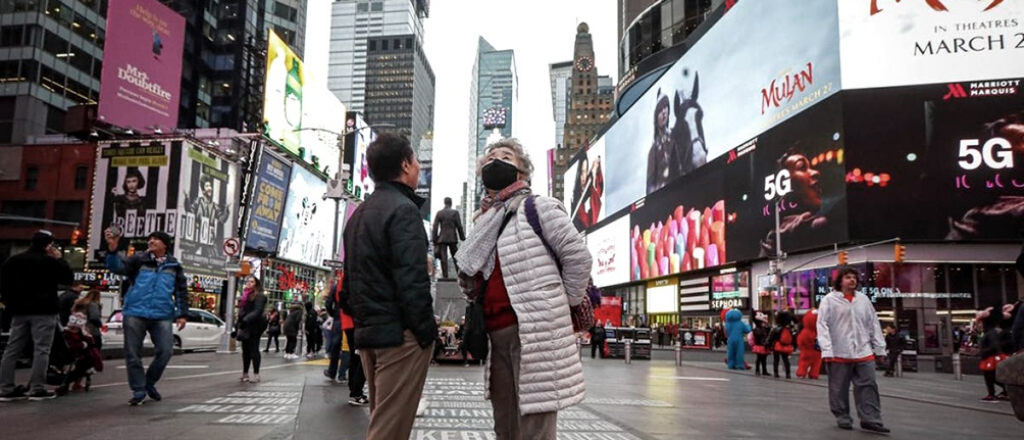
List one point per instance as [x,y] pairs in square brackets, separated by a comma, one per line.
[540,32]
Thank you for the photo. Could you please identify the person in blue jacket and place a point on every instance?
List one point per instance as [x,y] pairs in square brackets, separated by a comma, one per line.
[154,297]
[736,331]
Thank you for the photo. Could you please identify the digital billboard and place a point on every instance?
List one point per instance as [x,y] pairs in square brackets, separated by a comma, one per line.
[802,161]
[663,296]
[679,228]
[283,97]
[929,166]
[609,247]
[356,143]
[307,230]
[781,61]
[206,210]
[888,43]
[267,207]
[323,119]
[136,189]
[141,78]
[584,187]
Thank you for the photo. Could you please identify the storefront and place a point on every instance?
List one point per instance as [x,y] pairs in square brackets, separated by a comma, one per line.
[206,292]
[285,281]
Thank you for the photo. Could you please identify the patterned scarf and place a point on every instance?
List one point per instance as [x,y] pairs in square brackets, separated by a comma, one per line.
[477,253]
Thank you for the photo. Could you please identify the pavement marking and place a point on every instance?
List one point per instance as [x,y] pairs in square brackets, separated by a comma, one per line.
[174,367]
[704,379]
[198,376]
[628,402]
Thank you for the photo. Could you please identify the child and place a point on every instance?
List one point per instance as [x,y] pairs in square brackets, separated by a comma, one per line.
[83,349]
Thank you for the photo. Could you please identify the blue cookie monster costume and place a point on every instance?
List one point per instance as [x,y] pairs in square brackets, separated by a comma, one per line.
[735,330]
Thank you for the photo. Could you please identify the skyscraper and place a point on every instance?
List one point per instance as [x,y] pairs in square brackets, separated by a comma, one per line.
[561,75]
[353,22]
[494,93]
[589,107]
[399,86]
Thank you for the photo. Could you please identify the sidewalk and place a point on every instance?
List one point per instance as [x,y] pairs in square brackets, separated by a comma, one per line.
[924,387]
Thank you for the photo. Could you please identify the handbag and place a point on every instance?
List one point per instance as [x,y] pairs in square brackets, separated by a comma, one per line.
[990,363]
[582,314]
[474,334]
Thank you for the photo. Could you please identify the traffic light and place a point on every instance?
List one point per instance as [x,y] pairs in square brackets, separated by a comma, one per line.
[844,257]
[900,253]
[75,236]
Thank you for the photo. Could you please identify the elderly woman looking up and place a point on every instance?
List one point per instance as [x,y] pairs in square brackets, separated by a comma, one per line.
[534,367]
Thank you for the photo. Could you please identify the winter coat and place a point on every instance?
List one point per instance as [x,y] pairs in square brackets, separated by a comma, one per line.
[252,321]
[293,321]
[29,280]
[386,288]
[156,291]
[274,325]
[550,372]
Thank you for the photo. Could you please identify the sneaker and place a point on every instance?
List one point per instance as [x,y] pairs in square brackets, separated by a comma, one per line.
[255,378]
[874,427]
[62,390]
[1003,396]
[153,394]
[137,399]
[244,378]
[990,399]
[845,425]
[38,395]
[358,401]
[11,396]
[328,376]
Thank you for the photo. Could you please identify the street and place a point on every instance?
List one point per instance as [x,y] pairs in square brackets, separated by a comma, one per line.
[642,400]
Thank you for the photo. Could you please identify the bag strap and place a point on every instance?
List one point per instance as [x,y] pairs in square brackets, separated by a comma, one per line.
[534,220]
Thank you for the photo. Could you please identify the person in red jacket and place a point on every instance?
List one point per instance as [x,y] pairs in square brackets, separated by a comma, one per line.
[783,341]
[809,363]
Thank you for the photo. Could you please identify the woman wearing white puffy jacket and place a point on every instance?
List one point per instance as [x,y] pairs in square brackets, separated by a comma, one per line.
[534,368]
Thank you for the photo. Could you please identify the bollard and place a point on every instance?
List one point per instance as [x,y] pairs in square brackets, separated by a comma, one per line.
[956,367]
[679,353]
[629,351]
[899,365]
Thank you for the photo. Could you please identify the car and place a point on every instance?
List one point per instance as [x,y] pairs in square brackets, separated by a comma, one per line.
[202,331]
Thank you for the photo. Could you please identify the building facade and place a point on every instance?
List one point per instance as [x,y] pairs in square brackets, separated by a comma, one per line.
[494,89]
[561,76]
[589,106]
[355,21]
[399,86]
[51,57]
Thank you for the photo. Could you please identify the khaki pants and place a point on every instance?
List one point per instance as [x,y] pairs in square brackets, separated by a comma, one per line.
[509,424]
[396,376]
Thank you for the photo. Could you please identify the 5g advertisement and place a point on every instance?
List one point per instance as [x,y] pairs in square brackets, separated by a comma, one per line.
[930,165]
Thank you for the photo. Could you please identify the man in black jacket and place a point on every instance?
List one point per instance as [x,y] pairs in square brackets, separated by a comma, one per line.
[387,288]
[29,291]
[447,223]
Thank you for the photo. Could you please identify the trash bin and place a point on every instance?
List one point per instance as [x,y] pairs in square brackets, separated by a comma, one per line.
[1011,373]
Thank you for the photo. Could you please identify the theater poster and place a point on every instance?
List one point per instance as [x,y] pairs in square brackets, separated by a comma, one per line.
[207,209]
[136,190]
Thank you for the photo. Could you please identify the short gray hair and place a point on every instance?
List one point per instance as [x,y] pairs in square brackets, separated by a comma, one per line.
[512,144]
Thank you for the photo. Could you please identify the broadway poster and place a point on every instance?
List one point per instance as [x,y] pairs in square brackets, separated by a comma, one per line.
[135,190]
[206,207]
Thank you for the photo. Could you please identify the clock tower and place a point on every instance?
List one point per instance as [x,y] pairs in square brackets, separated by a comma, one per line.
[588,106]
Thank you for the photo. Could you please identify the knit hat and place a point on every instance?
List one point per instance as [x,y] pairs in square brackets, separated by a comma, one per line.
[162,236]
[42,238]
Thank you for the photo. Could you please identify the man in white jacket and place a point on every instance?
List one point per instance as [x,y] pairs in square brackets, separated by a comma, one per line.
[850,337]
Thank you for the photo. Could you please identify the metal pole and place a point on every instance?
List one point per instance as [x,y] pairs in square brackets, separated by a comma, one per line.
[899,365]
[679,352]
[779,291]
[629,351]
[957,374]
[229,314]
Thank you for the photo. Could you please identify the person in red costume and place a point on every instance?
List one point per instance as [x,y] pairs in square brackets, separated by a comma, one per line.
[809,363]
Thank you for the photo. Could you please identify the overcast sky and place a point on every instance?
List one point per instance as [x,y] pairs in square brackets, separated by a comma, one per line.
[539,31]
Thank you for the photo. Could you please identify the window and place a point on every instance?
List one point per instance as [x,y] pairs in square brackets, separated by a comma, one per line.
[384,45]
[81,176]
[377,6]
[12,36]
[68,210]
[31,177]
[373,45]
[363,7]
[31,209]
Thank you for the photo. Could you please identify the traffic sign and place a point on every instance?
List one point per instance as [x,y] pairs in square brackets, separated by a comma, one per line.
[334,264]
[231,247]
